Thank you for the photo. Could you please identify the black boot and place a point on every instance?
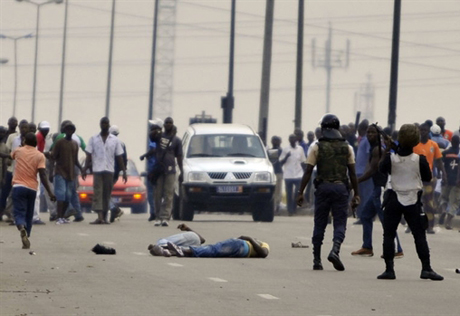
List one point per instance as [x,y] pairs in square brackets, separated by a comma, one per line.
[389,273]
[334,257]
[431,275]
[428,273]
[317,265]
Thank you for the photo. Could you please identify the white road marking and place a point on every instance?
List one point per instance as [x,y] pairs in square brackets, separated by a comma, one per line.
[268,297]
[108,242]
[218,280]
[140,253]
[82,234]
[172,264]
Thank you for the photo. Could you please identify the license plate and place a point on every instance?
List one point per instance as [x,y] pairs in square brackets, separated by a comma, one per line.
[230,189]
[116,199]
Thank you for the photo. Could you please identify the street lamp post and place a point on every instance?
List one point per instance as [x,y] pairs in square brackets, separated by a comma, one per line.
[109,72]
[64,42]
[15,39]
[38,5]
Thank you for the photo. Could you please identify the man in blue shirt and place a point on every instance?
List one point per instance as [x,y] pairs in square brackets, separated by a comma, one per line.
[154,129]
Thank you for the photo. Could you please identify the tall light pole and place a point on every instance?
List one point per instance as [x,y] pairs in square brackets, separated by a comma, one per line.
[64,42]
[15,39]
[109,75]
[227,102]
[38,5]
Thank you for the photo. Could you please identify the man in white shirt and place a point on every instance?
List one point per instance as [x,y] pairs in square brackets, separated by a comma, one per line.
[292,159]
[102,150]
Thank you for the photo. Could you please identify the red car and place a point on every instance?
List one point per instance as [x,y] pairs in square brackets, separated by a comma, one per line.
[131,194]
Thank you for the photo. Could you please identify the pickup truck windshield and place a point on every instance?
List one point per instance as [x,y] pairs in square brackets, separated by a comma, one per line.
[225,146]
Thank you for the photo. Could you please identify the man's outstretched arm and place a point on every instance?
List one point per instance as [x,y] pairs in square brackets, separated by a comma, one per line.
[184,227]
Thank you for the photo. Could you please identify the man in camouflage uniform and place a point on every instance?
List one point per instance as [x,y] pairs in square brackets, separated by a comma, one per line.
[335,162]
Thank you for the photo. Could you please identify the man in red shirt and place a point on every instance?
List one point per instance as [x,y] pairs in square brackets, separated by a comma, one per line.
[29,162]
[43,130]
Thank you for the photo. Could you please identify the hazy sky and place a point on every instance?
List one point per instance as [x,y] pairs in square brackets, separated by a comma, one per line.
[429,73]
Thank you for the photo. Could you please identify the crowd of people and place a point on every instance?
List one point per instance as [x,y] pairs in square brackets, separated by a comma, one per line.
[351,167]
[34,161]
[348,168]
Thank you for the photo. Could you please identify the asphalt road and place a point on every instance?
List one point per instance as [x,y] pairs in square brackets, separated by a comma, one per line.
[63,276]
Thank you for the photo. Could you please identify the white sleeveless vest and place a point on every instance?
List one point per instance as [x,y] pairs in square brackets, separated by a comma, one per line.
[406,180]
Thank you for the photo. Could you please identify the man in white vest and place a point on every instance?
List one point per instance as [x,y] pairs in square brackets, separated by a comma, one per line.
[408,170]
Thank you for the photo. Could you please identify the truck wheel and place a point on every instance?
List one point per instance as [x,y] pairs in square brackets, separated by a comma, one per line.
[264,212]
[186,210]
[176,208]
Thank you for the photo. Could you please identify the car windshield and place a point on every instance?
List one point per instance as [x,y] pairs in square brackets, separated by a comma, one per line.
[225,146]
[131,170]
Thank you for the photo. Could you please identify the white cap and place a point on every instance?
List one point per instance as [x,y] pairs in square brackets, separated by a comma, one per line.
[156,121]
[435,129]
[114,130]
[44,124]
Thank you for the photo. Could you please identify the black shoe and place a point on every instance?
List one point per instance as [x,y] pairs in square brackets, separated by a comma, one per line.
[53,218]
[152,217]
[38,222]
[115,213]
[79,219]
[317,265]
[358,222]
[387,275]
[335,260]
[334,257]
[431,275]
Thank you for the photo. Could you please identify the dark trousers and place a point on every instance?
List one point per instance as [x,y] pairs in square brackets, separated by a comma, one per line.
[292,187]
[23,207]
[6,189]
[330,197]
[391,218]
[371,208]
[103,185]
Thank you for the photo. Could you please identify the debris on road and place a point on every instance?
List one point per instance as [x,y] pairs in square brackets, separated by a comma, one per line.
[298,245]
[103,250]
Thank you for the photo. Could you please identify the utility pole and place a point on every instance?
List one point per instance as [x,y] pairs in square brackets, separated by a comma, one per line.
[394,66]
[364,99]
[329,61]
[227,102]
[299,68]
[266,70]
[152,63]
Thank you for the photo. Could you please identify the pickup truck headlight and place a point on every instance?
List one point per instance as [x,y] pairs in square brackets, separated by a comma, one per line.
[262,177]
[197,177]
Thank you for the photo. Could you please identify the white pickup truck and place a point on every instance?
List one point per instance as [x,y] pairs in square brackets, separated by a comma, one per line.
[226,169]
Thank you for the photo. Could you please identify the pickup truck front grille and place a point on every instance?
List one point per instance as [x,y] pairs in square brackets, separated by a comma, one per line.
[242,175]
[217,175]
